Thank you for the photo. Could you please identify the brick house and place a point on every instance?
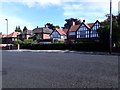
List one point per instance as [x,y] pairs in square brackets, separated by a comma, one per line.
[41,34]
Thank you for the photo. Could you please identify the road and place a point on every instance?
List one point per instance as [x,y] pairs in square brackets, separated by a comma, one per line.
[58,70]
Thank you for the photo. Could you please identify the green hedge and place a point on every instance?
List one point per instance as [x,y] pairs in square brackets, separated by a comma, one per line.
[77,47]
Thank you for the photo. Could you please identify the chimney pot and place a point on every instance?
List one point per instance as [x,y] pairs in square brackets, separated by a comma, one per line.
[84,21]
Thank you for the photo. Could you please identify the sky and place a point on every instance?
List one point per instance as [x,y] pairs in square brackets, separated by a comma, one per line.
[33,13]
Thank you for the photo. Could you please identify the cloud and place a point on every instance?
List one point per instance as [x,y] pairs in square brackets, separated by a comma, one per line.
[90,9]
[83,9]
[44,3]
[32,3]
[72,7]
[13,21]
[119,7]
[48,2]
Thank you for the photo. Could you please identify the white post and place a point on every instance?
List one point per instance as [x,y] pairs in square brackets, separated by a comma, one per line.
[18,47]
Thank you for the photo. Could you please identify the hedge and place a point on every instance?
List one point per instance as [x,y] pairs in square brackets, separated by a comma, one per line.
[77,47]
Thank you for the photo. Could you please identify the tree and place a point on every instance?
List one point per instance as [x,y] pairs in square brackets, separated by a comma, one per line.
[57,26]
[118,19]
[104,30]
[18,29]
[25,28]
[50,26]
[69,22]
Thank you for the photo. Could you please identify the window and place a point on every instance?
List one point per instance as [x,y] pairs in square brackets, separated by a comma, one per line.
[87,36]
[97,35]
[78,34]
[83,32]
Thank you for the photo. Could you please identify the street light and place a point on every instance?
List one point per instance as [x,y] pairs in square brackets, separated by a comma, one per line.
[7,30]
[110,26]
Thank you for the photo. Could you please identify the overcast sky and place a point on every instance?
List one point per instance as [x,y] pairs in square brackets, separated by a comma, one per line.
[32,13]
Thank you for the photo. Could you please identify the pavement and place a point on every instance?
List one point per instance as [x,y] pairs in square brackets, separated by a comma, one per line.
[48,69]
[66,51]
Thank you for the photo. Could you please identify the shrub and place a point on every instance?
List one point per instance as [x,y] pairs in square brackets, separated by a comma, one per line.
[18,42]
[28,41]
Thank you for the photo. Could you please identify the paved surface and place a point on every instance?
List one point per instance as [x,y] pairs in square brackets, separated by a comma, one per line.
[58,70]
[67,51]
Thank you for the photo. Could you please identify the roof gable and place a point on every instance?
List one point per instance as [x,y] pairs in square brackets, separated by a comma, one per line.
[86,25]
[95,23]
[60,31]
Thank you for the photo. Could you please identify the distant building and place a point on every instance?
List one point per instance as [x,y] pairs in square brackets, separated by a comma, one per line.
[41,34]
[83,31]
[10,38]
[58,34]
[25,35]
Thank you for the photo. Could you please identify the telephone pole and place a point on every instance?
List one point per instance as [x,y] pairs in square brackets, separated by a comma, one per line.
[110,26]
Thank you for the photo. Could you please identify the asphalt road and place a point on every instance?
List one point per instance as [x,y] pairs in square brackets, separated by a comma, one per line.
[58,70]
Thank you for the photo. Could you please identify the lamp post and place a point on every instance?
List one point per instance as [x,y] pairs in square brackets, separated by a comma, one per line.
[110,26]
[7,30]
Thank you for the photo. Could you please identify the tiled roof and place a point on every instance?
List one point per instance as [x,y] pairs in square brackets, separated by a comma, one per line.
[74,28]
[42,30]
[65,30]
[4,35]
[60,31]
[14,34]
[90,24]
[47,30]
[87,26]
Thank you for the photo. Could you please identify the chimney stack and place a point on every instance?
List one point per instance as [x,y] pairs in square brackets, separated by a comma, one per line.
[46,26]
[73,23]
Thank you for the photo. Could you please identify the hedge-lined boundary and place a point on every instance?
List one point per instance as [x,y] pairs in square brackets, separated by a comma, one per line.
[76,47]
